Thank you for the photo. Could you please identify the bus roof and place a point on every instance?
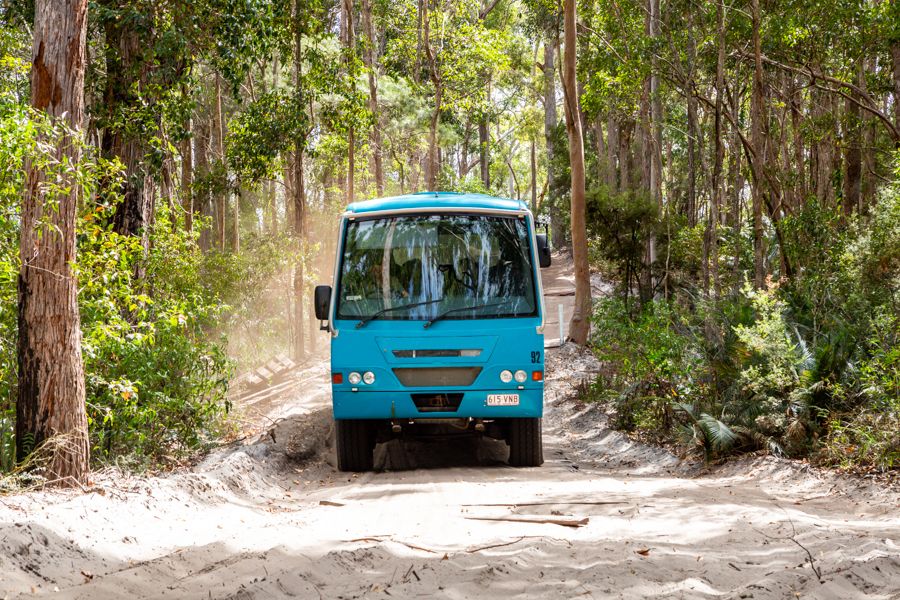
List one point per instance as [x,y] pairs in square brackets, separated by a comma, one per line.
[436,200]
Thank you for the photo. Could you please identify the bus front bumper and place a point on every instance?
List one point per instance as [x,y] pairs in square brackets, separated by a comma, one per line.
[403,404]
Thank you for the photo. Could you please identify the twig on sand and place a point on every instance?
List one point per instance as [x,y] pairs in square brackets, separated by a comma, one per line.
[385,538]
[793,538]
[564,521]
[480,548]
[414,547]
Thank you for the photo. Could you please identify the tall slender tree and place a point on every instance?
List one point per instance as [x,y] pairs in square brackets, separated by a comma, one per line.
[372,65]
[580,325]
[51,390]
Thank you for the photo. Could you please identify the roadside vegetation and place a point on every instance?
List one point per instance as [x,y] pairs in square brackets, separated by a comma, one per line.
[803,367]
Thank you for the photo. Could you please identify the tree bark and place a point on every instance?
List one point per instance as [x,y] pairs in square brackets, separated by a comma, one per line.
[126,72]
[691,200]
[432,161]
[580,325]
[895,59]
[484,149]
[50,406]
[221,198]
[757,118]
[852,184]
[655,144]
[612,144]
[718,183]
[201,197]
[187,175]
[299,192]
[371,65]
[557,224]
[349,41]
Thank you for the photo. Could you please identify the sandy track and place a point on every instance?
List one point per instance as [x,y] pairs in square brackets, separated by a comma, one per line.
[270,517]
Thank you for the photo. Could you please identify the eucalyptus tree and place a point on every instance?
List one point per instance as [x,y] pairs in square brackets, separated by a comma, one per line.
[50,408]
[580,325]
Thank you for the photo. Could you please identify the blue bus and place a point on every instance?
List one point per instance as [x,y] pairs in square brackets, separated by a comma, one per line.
[436,319]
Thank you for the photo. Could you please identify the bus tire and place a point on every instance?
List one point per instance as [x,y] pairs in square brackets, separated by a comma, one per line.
[526,448]
[354,442]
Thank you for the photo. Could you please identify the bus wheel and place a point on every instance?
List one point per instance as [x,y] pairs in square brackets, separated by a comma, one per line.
[526,448]
[354,441]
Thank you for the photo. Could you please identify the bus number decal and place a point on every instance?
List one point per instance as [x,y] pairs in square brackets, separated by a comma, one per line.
[535,358]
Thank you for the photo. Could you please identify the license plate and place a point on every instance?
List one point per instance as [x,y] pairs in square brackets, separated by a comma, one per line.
[503,400]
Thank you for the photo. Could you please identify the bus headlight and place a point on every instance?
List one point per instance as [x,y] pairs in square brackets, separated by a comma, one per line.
[354,378]
[506,375]
[369,377]
[521,376]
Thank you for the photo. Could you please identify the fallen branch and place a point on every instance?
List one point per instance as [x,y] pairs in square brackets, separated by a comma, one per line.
[793,538]
[565,522]
[385,538]
[550,503]
[480,548]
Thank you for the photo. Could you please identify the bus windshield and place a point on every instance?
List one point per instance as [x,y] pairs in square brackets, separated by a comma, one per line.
[420,267]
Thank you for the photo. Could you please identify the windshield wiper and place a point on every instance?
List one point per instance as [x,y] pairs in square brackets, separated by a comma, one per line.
[462,309]
[371,317]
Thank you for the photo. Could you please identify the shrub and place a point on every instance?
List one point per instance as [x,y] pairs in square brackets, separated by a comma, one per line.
[650,354]
[156,382]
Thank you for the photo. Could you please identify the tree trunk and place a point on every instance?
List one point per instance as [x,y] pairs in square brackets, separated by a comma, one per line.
[852,159]
[371,65]
[299,193]
[557,224]
[484,143]
[534,202]
[625,160]
[50,405]
[236,234]
[221,199]
[201,198]
[126,72]
[691,200]
[349,41]
[655,144]
[868,185]
[799,152]
[580,325]
[612,144]
[895,58]
[718,183]
[187,175]
[736,184]
[432,162]
[757,118]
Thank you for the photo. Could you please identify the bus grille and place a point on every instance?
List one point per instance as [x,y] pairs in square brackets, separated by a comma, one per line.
[437,376]
[441,353]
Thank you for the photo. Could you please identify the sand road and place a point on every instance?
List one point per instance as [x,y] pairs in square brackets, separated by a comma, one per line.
[269,517]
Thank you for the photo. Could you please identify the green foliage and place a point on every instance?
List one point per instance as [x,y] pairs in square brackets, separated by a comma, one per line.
[621,224]
[156,383]
[262,133]
[810,365]
[651,360]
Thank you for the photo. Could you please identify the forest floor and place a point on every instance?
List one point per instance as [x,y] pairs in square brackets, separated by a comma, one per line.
[269,517]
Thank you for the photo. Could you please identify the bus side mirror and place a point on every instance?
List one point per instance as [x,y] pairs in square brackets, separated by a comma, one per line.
[322,300]
[543,248]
